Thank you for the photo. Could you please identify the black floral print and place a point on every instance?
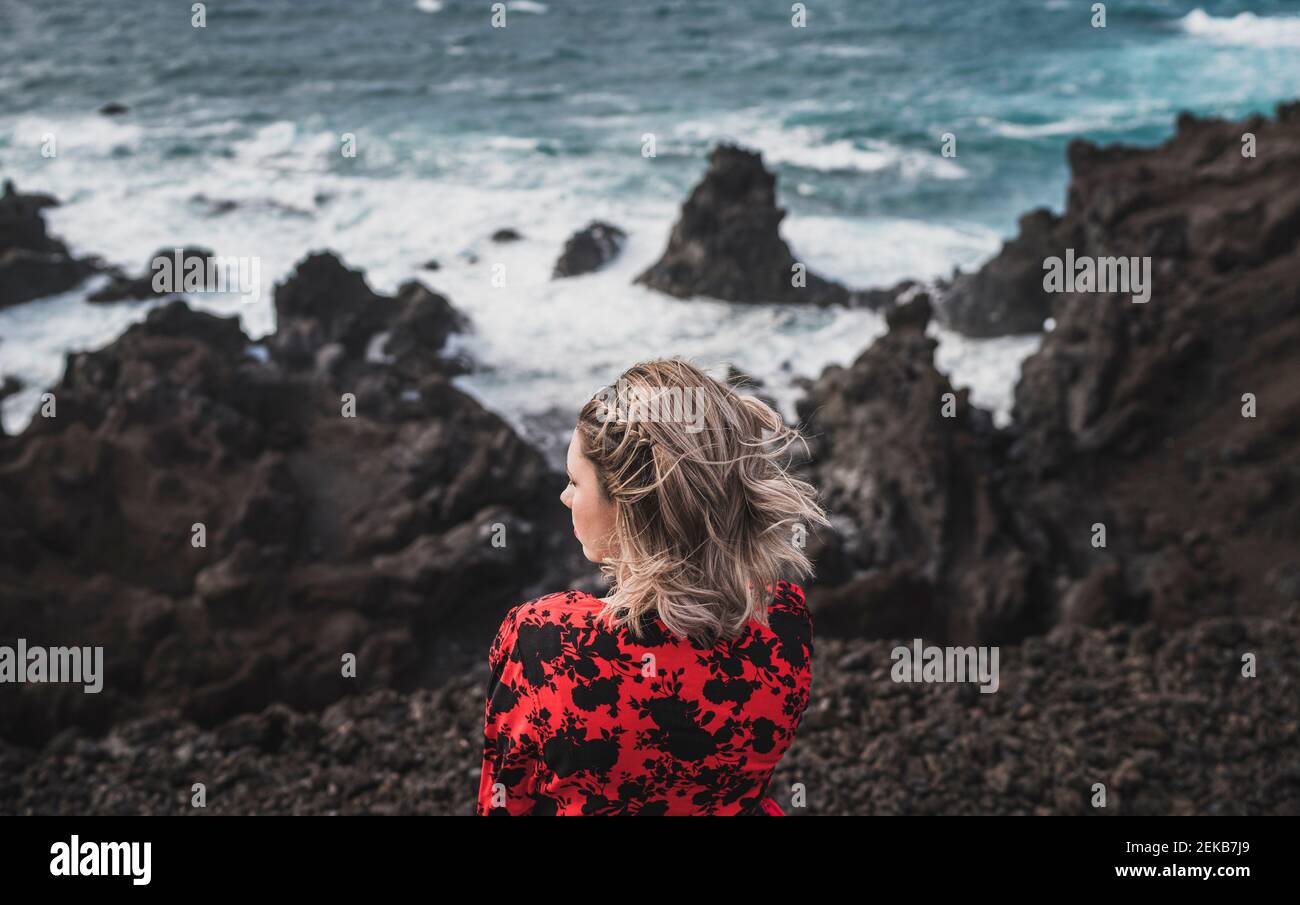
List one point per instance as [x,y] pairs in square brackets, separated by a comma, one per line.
[582,720]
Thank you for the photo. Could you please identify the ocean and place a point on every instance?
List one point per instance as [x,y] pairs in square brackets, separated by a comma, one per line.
[232,142]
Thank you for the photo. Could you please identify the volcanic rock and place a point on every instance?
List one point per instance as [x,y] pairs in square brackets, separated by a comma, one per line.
[33,264]
[1152,469]
[1147,408]
[1177,736]
[121,287]
[326,305]
[910,470]
[727,244]
[228,531]
[589,249]
[1006,295]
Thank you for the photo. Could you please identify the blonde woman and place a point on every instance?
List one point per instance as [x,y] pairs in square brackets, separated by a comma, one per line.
[679,691]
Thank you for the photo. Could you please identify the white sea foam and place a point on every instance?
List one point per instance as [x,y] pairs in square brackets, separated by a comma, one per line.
[429,6]
[1092,117]
[853,51]
[881,251]
[807,146]
[600,97]
[85,135]
[527,6]
[866,157]
[1073,125]
[513,143]
[990,367]
[543,343]
[1243,29]
[561,340]
[34,338]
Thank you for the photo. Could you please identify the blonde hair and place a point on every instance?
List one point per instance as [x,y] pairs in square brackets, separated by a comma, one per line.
[707,514]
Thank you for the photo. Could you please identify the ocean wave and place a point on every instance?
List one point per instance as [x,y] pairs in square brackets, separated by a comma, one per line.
[288,147]
[383,225]
[880,251]
[853,51]
[527,6]
[990,367]
[1095,117]
[807,147]
[1073,125]
[429,6]
[601,97]
[90,134]
[512,143]
[1243,29]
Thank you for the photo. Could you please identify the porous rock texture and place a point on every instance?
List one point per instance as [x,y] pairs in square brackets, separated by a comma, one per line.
[231,521]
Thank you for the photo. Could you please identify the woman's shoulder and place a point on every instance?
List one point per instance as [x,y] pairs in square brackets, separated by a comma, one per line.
[550,606]
[787,614]
[535,614]
[543,609]
[787,597]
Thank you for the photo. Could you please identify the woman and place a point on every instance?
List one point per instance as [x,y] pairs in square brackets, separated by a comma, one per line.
[678,692]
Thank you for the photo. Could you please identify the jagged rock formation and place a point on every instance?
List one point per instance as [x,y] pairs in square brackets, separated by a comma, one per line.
[590,248]
[1006,295]
[727,243]
[121,287]
[327,317]
[911,472]
[33,264]
[1153,469]
[1142,410]
[1173,426]
[379,535]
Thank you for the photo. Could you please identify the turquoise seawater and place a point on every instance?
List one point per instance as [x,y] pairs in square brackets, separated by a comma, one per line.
[234,133]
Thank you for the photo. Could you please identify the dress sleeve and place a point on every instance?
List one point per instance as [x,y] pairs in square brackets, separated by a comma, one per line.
[512,727]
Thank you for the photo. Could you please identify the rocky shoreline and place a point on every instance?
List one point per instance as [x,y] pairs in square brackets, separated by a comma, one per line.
[216,519]
[1143,476]
[33,264]
[374,535]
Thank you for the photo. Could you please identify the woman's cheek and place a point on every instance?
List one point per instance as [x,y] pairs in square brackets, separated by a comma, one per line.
[581,528]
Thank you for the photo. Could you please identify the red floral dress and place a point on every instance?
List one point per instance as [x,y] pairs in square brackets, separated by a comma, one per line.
[582,720]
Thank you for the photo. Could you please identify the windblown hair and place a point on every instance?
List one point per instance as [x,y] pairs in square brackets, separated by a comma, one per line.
[708,516]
